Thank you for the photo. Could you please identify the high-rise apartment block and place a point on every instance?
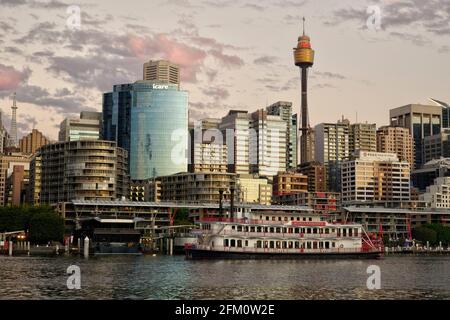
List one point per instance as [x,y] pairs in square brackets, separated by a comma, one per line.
[162,71]
[289,182]
[422,121]
[363,136]
[332,147]
[83,170]
[33,141]
[284,110]
[398,140]
[236,129]
[87,127]
[253,189]
[374,176]
[267,144]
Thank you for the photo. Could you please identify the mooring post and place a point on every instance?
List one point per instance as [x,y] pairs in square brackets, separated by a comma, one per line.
[86,247]
[10,247]
[28,247]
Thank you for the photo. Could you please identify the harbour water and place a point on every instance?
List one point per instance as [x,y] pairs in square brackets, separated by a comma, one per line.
[173,277]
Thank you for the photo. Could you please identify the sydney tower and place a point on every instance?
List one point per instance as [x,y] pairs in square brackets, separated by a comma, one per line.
[304,59]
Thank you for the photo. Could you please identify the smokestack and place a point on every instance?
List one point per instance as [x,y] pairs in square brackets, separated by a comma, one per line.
[232,202]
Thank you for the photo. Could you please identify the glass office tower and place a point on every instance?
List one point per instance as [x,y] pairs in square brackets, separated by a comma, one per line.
[150,120]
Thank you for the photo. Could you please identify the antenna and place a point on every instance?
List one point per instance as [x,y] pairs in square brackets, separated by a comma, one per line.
[304,25]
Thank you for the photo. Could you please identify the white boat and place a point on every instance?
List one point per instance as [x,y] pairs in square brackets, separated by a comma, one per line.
[279,234]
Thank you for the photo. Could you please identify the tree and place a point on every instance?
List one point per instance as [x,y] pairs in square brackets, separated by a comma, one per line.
[424,234]
[45,227]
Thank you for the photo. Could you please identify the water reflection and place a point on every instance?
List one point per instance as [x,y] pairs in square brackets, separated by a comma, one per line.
[163,277]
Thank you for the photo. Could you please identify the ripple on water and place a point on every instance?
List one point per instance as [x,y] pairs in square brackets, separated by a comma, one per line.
[164,277]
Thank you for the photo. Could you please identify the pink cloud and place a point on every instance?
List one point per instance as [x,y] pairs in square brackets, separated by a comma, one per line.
[189,58]
[10,78]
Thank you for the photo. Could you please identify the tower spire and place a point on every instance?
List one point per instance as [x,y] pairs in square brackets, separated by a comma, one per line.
[13,131]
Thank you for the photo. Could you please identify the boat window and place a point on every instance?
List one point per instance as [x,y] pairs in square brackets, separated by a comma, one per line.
[252,229]
[272,245]
[310,219]
[267,217]
[212,244]
[233,228]
[314,244]
[308,245]
[314,230]
[350,232]
[239,243]
[260,217]
[327,231]
[246,243]
[258,229]
[298,218]
[292,218]
[304,218]
[291,244]
[225,243]
[239,228]
[320,245]
[296,244]
[271,230]
[266,244]
[285,218]
[344,232]
[279,218]
[356,232]
[278,230]
[308,230]
[278,244]
[333,244]
[338,232]
[258,244]
[273,218]
[232,243]
[296,230]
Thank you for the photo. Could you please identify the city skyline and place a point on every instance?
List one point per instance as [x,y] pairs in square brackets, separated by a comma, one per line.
[230,58]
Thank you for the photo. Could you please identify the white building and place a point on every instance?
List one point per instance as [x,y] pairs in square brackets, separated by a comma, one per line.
[438,194]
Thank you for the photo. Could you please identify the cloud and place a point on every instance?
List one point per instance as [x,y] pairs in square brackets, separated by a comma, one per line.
[10,78]
[265,60]
[254,7]
[330,75]
[414,38]
[216,93]
[43,4]
[227,60]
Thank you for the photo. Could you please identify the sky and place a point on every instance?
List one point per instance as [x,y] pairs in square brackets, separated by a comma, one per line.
[371,55]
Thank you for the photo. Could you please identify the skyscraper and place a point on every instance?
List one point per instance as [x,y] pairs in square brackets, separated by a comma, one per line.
[33,141]
[304,59]
[267,143]
[149,120]
[284,110]
[396,140]
[363,136]
[332,148]
[422,121]
[236,127]
[163,71]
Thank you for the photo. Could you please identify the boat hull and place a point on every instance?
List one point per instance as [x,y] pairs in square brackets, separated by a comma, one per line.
[210,254]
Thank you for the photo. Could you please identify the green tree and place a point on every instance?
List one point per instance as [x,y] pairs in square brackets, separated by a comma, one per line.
[46,227]
[182,217]
[424,234]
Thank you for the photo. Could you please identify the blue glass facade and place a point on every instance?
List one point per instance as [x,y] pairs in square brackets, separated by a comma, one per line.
[150,120]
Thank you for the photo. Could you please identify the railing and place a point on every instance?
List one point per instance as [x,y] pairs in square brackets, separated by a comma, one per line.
[283,234]
[279,251]
[292,223]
